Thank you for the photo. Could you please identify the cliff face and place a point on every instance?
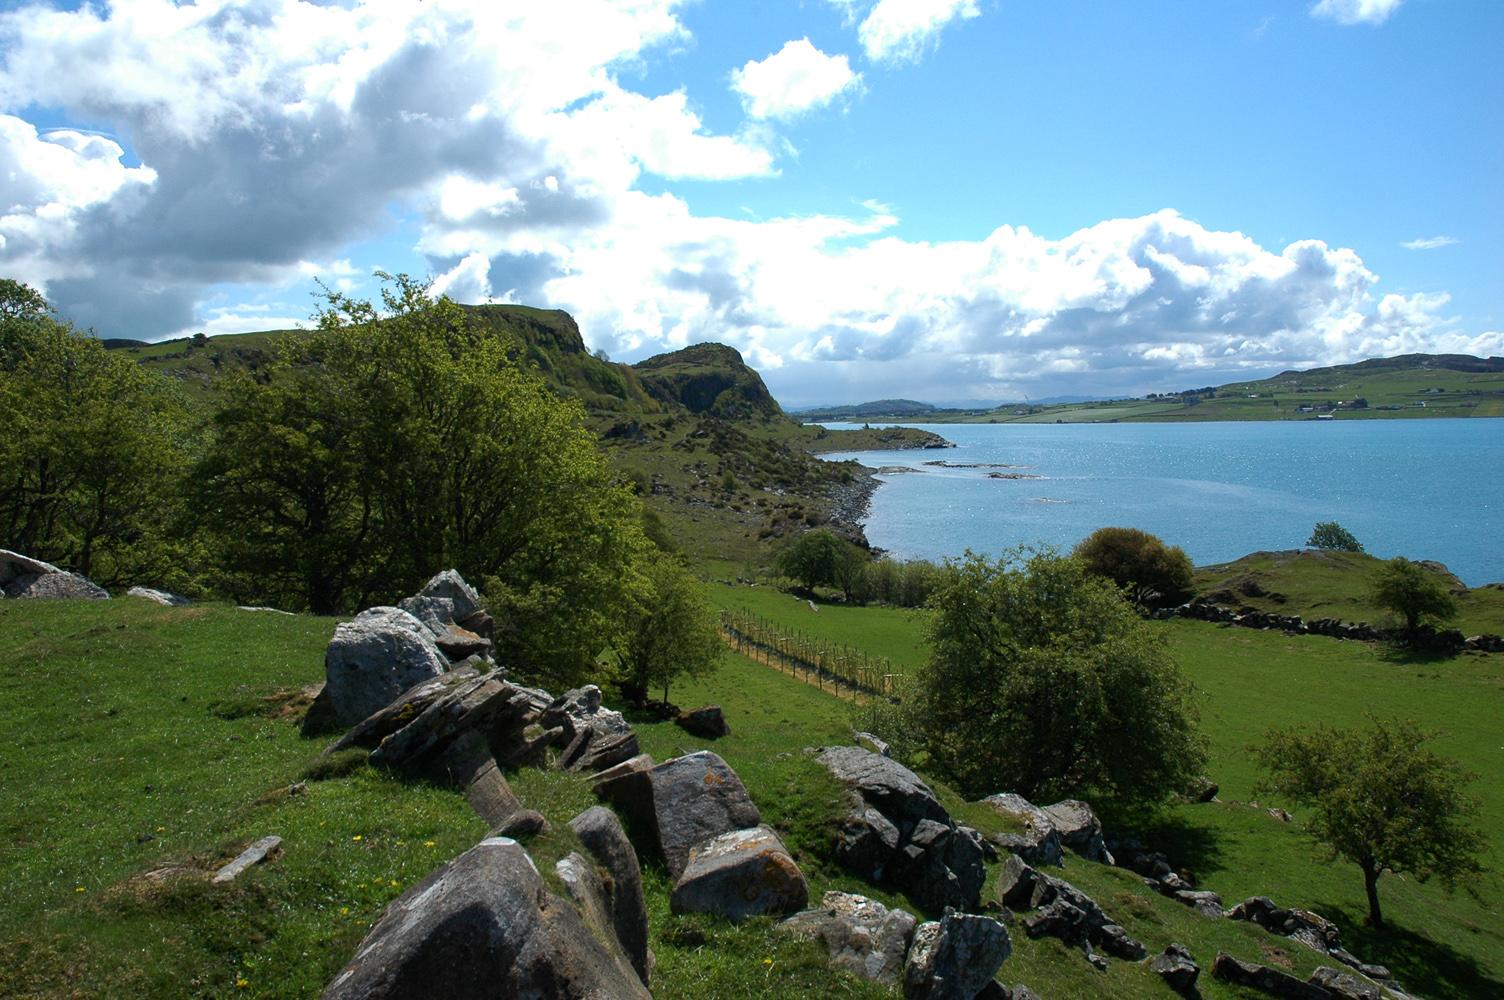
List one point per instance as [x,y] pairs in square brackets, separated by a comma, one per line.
[708,378]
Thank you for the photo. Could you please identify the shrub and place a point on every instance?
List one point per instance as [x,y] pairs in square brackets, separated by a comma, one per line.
[1152,573]
[1412,592]
[1334,537]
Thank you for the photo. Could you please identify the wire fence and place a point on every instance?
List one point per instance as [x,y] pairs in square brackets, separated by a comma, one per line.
[814,659]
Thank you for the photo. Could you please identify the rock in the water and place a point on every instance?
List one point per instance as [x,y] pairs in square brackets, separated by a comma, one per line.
[480,927]
[1345,984]
[449,585]
[1177,968]
[1079,829]
[955,957]
[1266,980]
[601,834]
[253,855]
[161,597]
[863,936]
[744,873]
[897,833]
[706,721]
[696,797]
[373,658]
[1039,842]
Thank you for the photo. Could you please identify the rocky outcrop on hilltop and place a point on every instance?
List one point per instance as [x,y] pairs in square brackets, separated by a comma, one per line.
[25,577]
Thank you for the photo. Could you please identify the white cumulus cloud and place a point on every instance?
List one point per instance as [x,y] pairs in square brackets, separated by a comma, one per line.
[796,78]
[1356,11]
[1430,243]
[903,30]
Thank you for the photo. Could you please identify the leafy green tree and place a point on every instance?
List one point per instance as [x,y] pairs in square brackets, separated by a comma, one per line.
[1043,679]
[1152,573]
[670,630]
[92,449]
[399,440]
[1378,798]
[1412,592]
[1334,537]
[822,558]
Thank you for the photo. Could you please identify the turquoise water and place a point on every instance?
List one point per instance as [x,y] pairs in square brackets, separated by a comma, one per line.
[1425,489]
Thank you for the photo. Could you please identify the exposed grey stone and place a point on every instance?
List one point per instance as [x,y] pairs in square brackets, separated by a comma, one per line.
[522,823]
[595,738]
[255,854]
[452,587]
[373,658]
[744,873]
[954,958]
[627,787]
[59,586]
[601,834]
[893,789]
[1344,984]
[161,597]
[436,613]
[583,884]
[1208,904]
[1177,968]
[270,611]
[868,741]
[406,707]
[706,721]
[1061,910]
[696,797]
[482,926]
[1115,941]
[14,566]
[1266,980]
[1039,842]
[863,936]
[1079,829]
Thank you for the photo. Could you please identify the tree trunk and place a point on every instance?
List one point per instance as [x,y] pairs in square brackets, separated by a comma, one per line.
[1371,884]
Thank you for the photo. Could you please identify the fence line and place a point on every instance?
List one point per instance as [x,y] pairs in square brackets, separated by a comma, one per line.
[814,659]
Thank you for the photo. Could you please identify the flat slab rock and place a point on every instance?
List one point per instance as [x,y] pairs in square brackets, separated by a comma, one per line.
[253,855]
[480,927]
[696,797]
[161,597]
[741,874]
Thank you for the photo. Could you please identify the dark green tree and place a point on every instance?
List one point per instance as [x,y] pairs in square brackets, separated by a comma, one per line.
[1043,679]
[669,631]
[822,558]
[1412,592]
[1152,573]
[1378,798]
[1334,537]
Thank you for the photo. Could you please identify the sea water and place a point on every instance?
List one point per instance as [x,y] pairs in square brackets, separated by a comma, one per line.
[1424,489]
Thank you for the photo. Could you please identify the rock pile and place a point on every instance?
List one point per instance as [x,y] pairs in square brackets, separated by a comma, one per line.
[1446,641]
[1058,909]
[897,833]
[1310,929]
[24,577]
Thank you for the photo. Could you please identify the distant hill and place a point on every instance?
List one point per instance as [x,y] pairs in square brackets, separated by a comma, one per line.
[864,411]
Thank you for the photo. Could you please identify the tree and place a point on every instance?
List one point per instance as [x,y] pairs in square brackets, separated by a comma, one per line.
[1378,798]
[1334,537]
[821,558]
[1152,573]
[1043,679]
[669,631]
[91,449]
[397,441]
[1412,592]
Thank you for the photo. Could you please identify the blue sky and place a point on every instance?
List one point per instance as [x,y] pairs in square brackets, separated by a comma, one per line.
[942,199]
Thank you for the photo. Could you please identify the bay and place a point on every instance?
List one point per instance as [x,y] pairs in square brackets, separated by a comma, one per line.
[1424,489]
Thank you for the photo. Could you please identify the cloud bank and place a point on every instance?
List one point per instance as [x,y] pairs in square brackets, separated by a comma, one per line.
[1356,11]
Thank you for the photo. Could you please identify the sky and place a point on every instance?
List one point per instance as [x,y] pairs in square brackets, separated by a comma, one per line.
[939,199]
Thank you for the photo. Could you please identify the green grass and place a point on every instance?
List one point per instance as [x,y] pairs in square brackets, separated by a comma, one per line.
[1317,584]
[142,736]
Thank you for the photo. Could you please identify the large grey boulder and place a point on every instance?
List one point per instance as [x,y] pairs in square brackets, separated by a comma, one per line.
[696,797]
[452,587]
[480,927]
[1079,829]
[897,833]
[955,957]
[1037,842]
[161,597]
[594,737]
[601,835]
[1311,929]
[1178,968]
[863,936]
[14,566]
[590,891]
[436,613]
[741,874]
[373,658]
[1061,910]
[60,586]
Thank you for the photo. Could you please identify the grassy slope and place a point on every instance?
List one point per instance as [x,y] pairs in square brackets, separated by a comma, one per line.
[166,692]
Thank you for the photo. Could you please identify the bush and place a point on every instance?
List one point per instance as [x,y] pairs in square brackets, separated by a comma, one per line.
[1412,592]
[1152,573]
[1044,680]
[1334,537]
[821,558]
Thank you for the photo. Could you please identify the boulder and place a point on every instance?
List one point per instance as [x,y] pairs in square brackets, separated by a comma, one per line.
[436,613]
[479,927]
[1038,843]
[744,873]
[601,834]
[694,798]
[706,721]
[459,644]
[627,787]
[23,576]
[589,891]
[867,741]
[1177,968]
[594,737]
[1208,904]
[1311,929]
[407,706]
[1079,829]
[863,936]
[1345,984]
[1266,980]
[897,833]
[1061,910]
[14,566]
[955,957]
[373,658]
[521,823]
[161,597]
[464,601]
